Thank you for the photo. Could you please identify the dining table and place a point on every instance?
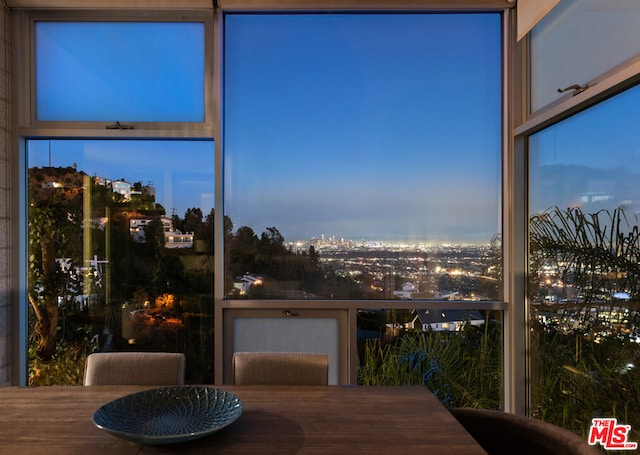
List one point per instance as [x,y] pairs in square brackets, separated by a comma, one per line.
[274,420]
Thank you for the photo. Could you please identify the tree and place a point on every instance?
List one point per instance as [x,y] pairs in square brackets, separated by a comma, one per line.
[170,277]
[141,200]
[192,221]
[177,222]
[54,226]
[580,356]
[314,257]
[597,253]
[207,231]
[273,241]
[154,236]
[244,251]
[272,253]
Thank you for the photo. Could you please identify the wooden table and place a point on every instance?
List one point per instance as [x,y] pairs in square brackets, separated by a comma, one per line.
[276,419]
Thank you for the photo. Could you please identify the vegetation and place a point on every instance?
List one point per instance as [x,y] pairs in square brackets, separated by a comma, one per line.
[66,367]
[288,272]
[585,343]
[461,368]
[54,227]
[145,297]
[142,298]
[576,379]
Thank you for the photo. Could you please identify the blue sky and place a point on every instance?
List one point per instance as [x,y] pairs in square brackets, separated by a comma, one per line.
[84,71]
[383,127]
[376,127]
[595,151]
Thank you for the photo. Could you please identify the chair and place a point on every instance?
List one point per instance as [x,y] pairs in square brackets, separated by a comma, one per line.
[280,368]
[134,368]
[504,433]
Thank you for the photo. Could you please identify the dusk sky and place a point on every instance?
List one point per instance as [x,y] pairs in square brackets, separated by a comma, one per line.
[373,127]
[377,127]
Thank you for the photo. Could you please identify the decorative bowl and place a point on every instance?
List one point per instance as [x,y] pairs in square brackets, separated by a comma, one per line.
[169,414]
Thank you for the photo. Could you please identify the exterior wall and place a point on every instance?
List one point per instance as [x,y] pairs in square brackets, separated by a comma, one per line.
[5,179]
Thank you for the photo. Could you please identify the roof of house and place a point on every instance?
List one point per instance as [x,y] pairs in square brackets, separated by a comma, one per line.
[447,315]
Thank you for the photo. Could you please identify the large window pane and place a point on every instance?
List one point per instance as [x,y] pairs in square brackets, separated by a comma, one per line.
[578,41]
[119,71]
[362,156]
[585,281]
[120,253]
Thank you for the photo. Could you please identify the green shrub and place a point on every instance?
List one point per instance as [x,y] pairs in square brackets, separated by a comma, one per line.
[461,368]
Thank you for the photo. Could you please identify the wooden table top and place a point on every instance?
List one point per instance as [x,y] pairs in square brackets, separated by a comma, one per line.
[276,419]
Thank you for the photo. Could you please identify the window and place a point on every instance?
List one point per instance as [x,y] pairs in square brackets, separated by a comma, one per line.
[346,173]
[584,200]
[347,180]
[583,215]
[119,164]
[107,259]
[360,168]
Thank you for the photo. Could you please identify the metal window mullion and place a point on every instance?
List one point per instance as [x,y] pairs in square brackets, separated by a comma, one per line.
[218,229]
[514,230]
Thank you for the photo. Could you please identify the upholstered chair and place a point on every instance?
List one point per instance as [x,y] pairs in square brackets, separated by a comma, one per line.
[280,368]
[504,433]
[134,368]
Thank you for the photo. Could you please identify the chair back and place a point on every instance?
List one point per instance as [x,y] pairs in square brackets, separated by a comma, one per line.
[280,368]
[134,368]
[500,432]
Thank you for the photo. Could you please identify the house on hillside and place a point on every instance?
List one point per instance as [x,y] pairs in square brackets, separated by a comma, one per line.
[452,320]
[173,238]
[245,282]
[407,291]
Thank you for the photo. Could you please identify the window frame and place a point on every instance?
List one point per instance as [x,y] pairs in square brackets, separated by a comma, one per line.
[25,126]
[526,123]
[513,367]
[25,69]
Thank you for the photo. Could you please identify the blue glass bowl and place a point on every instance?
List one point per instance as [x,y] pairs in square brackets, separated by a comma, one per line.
[169,414]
